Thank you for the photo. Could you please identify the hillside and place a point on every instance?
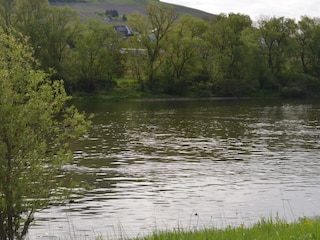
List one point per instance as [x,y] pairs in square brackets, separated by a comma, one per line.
[91,9]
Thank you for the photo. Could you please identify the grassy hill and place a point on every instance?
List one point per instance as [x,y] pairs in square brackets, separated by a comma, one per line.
[92,8]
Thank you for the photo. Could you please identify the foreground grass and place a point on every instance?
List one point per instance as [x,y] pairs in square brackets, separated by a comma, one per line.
[304,228]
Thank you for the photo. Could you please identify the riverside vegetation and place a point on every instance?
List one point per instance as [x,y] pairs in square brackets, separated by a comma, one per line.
[171,54]
[304,228]
[36,127]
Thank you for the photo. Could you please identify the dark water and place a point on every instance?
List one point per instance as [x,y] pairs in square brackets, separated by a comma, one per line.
[192,164]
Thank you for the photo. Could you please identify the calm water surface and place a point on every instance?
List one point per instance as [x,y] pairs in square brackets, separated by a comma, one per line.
[166,164]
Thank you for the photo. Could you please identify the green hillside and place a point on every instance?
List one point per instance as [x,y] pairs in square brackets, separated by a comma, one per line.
[92,8]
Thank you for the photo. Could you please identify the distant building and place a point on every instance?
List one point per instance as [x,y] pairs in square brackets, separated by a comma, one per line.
[123,30]
[136,51]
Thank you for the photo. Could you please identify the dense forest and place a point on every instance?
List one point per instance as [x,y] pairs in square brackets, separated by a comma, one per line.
[180,55]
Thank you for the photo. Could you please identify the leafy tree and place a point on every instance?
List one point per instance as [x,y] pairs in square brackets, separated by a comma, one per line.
[275,36]
[307,37]
[6,13]
[29,21]
[53,38]
[113,13]
[98,56]
[36,128]
[228,53]
[183,54]
[252,62]
[301,76]
[20,12]
[27,11]
[153,32]
[50,30]
[135,59]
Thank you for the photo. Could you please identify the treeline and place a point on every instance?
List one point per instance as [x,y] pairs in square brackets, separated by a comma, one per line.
[227,55]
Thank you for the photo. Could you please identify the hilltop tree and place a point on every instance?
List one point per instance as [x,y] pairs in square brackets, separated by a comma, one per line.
[6,13]
[36,127]
[20,12]
[28,11]
[112,13]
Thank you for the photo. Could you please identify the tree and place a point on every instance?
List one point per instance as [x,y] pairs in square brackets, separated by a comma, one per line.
[275,38]
[183,55]
[154,29]
[36,128]
[51,31]
[52,39]
[28,11]
[20,12]
[307,37]
[98,56]
[6,12]
[113,13]
[228,52]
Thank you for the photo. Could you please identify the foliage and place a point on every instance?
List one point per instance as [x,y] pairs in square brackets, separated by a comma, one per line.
[183,54]
[226,55]
[307,39]
[36,128]
[304,228]
[97,57]
[153,32]
[275,37]
[52,38]
[298,85]
[112,13]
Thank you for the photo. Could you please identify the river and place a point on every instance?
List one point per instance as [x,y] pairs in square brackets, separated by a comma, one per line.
[160,165]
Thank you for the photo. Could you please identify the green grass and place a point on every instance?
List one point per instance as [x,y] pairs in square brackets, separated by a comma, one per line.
[265,93]
[304,229]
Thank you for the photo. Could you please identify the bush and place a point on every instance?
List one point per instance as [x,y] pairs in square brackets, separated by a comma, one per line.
[299,85]
[36,127]
[112,13]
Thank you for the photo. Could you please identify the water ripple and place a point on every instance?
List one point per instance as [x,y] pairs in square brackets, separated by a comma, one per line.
[190,165]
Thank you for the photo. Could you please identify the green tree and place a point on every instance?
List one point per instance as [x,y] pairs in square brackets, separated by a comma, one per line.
[20,12]
[307,36]
[301,75]
[113,13]
[99,60]
[153,32]
[27,11]
[183,54]
[50,30]
[275,37]
[36,128]
[6,13]
[228,53]
[52,39]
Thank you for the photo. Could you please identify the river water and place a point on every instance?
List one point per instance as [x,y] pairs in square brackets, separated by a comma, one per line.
[158,165]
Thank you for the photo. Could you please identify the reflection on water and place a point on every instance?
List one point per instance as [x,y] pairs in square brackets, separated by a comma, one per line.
[191,164]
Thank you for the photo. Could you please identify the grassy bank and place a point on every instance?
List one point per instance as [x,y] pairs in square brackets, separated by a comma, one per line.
[304,228]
